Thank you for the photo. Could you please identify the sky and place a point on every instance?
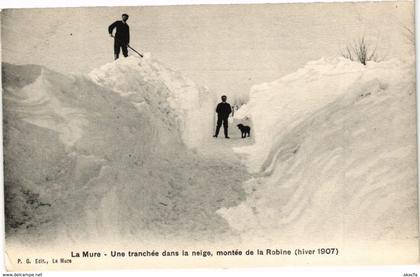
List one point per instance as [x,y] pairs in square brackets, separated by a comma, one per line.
[228,48]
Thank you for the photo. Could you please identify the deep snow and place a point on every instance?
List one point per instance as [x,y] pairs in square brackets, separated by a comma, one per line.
[334,157]
[191,105]
[113,155]
[125,155]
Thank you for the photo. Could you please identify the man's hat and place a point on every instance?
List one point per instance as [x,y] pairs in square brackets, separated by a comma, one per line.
[124,14]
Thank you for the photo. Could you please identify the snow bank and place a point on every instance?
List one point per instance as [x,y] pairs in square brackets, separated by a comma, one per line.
[67,121]
[104,156]
[69,142]
[277,107]
[191,105]
[335,149]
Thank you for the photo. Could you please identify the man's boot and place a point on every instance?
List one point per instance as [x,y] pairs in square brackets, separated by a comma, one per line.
[226,132]
[217,132]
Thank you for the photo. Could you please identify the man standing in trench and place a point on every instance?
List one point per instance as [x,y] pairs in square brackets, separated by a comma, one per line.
[223,110]
[122,35]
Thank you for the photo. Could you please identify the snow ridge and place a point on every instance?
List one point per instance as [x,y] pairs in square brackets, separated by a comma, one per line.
[191,105]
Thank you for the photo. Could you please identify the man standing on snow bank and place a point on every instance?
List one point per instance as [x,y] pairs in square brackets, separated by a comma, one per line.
[122,35]
[223,110]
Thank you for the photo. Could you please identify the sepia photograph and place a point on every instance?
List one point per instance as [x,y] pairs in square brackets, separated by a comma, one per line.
[224,135]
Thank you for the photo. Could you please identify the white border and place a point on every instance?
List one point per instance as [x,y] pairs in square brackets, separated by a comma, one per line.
[94,3]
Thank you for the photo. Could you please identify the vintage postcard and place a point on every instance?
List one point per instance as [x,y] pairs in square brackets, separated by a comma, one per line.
[209,136]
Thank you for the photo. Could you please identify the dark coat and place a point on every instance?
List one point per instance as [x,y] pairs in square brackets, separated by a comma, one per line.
[223,110]
[123,31]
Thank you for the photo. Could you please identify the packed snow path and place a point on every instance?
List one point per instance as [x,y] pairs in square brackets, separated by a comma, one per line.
[188,208]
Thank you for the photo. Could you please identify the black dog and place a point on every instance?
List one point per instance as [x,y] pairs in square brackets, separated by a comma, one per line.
[244,130]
